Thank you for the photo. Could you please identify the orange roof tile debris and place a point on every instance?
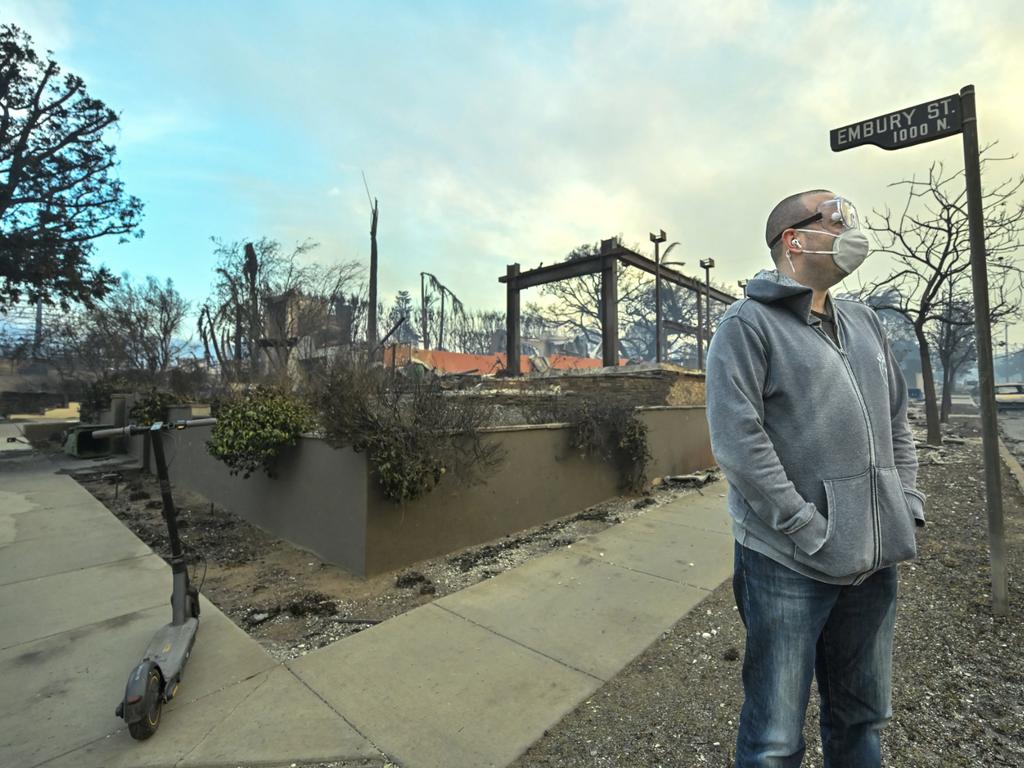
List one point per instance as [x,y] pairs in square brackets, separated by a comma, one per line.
[443,361]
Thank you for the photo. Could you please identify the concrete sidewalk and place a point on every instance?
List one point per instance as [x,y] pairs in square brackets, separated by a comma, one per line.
[472,679]
[80,596]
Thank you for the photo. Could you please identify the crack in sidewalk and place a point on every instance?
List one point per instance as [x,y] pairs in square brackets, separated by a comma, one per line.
[226,715]
[521,644]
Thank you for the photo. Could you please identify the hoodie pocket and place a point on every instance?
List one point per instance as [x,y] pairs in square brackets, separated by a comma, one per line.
[849,546]
[895,518]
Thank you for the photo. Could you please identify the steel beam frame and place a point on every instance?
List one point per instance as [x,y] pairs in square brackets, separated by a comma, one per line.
[606,262]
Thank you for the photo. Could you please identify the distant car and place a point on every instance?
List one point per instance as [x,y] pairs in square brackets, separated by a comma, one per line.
[914,393]
[1009,396]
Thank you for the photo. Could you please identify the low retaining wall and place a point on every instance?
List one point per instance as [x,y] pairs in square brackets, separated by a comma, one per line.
[540,480]
[324,499]
[317,499]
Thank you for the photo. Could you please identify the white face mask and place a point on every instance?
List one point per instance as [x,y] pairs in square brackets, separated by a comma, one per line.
[848,251]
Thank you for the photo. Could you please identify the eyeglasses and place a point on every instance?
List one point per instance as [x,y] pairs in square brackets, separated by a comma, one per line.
[838,210]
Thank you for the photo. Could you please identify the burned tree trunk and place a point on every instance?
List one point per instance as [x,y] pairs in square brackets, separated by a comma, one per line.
[930,405]
[371,318]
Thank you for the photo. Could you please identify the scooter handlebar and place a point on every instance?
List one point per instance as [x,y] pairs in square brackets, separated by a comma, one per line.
[206,421]
[133,429]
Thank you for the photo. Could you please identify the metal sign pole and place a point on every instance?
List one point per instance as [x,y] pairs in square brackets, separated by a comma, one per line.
[915,125]
[983,331]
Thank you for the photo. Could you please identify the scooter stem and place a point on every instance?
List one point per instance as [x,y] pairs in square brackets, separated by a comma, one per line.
[170,513]
[179,569]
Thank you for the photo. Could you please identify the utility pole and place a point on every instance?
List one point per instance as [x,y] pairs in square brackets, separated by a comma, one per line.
[743,287]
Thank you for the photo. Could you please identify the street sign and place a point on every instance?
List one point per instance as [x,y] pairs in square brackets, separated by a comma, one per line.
[904,127]
[914,125]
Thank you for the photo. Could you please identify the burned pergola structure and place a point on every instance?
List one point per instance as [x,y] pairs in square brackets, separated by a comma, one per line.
[605,261]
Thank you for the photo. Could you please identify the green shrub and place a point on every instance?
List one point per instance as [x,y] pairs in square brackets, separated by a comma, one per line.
[252,429]
[606,428]
[412,430]
[151,407]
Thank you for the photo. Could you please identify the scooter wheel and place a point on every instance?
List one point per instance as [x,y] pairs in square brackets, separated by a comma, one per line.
[154,702]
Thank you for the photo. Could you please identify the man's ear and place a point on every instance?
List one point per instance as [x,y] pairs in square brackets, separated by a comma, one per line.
[791,240]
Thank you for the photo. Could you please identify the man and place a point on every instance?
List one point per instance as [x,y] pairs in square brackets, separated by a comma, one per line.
[808,415]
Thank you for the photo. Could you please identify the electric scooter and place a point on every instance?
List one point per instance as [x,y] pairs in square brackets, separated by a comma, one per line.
[155,680]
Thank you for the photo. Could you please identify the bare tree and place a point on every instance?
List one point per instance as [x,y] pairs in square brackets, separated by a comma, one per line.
[953,340]
[474,332]
[576,305]
[134,330]
[928,240]
[263,297]
[164,310]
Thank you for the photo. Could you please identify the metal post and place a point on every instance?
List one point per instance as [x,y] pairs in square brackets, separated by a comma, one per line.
[657,302]
[610,312]
[700,334]
[512,340]
[658,239]
[983,331]
[707,303]
[707,264]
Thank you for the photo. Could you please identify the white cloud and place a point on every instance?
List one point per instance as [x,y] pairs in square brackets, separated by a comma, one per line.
[46,21]
[157,124]
[489,144]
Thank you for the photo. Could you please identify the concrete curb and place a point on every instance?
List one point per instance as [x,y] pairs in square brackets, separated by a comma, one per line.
[1016,471]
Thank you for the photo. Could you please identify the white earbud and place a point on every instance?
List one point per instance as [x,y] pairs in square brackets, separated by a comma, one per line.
[796,243]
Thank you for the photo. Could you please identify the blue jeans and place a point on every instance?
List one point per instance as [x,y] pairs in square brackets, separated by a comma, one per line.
[798,627]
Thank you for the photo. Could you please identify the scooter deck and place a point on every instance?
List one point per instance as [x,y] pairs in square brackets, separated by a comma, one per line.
[170,650]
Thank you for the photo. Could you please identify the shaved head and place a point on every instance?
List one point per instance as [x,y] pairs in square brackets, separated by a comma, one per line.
[789,211]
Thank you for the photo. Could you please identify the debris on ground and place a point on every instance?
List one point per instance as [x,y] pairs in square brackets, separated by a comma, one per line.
[693,480]
[409,579]
[293,603]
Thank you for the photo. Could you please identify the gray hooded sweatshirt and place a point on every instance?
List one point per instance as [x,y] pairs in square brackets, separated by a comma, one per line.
[812,436]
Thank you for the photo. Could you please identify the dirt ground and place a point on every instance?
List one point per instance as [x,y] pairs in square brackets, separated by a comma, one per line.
[958,671]
[291,601]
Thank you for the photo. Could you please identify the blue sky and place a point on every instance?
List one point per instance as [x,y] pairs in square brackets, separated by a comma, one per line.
[501,132]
